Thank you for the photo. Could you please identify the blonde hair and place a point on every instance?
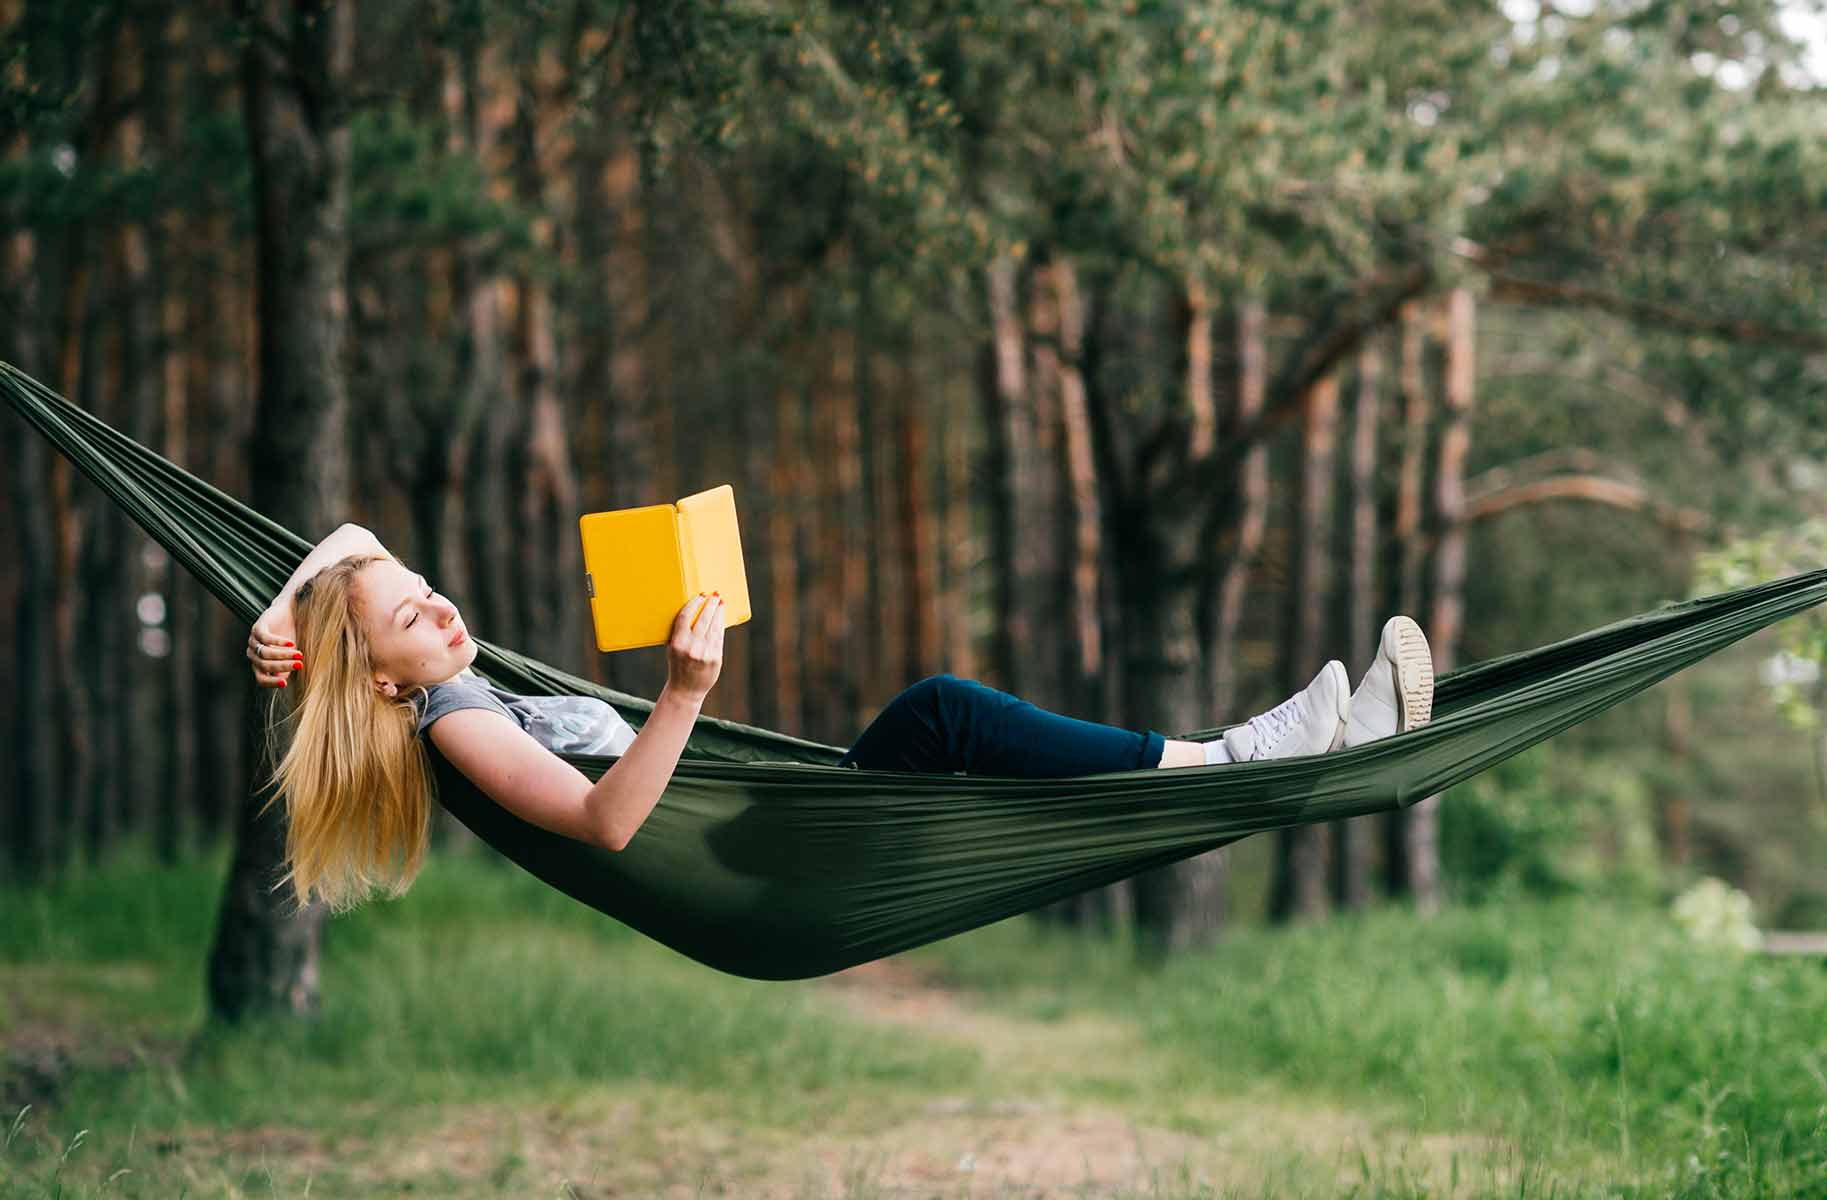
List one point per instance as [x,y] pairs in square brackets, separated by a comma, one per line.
[355,778]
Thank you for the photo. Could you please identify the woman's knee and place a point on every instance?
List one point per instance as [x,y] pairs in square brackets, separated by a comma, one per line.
[931,691]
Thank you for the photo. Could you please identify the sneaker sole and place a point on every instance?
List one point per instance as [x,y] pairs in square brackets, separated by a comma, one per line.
[1407,646]
[1343,680]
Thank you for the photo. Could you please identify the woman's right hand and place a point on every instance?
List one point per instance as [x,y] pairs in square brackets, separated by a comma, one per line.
[270,649]
[694,654]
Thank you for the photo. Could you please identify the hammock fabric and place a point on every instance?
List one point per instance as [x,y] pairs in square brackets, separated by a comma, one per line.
[766,859]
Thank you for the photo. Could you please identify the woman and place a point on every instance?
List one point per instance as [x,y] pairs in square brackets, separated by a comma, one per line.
[382,661]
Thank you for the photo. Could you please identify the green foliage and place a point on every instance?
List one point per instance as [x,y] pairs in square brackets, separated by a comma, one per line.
[1770,556]
[1547,823]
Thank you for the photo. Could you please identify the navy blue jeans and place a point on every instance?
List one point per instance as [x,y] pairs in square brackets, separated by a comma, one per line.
[945,724]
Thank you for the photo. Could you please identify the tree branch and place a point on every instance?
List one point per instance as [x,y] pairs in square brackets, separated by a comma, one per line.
[1321,353]
[1593,489]
[1518,290]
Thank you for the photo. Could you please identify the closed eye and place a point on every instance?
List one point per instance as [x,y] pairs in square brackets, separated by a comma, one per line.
[415,616]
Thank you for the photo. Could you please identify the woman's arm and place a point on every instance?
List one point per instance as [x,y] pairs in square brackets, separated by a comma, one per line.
[348,538]
[270,642]
[536,785]
[539,787]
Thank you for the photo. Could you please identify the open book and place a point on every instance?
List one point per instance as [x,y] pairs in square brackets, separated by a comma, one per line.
[640,565]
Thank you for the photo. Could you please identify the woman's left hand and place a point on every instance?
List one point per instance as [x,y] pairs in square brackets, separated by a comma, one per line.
[271,649]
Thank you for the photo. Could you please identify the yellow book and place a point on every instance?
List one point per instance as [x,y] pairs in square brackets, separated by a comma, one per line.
[640,565]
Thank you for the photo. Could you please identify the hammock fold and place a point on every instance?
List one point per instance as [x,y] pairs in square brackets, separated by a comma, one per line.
[765,859]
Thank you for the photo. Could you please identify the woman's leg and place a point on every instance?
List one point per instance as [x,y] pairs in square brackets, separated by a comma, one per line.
[945,724]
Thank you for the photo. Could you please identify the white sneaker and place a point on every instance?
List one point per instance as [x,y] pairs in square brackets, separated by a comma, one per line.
[1397,693]
[1308,722]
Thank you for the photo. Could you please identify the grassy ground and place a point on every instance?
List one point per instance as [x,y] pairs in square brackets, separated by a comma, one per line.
[487,1037]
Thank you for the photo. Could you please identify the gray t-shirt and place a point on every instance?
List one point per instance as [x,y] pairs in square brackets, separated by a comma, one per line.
[569,724]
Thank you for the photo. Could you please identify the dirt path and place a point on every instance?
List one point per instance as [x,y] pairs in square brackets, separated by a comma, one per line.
[1081,1106]
[1085,1106]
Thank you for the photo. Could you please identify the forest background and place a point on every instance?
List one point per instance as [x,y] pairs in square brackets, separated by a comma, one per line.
[1135,358]
[1132,357]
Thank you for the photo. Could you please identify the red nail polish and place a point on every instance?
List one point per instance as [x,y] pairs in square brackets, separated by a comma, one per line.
[282,683]
[288,643]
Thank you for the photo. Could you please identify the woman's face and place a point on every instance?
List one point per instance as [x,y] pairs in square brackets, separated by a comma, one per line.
[410,628]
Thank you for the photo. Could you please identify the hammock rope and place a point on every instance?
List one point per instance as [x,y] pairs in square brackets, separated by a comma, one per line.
[767,860]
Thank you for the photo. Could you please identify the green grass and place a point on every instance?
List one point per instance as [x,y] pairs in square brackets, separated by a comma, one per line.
[1600,1053]
[1583,1029]
[478,985]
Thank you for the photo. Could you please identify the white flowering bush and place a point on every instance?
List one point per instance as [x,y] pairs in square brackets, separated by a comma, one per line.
[1795,688]
[1715,913]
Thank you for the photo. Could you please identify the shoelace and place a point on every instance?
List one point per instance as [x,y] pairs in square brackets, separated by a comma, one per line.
[1272,726]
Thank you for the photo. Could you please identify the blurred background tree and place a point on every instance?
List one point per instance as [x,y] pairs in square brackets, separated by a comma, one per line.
[1136,358]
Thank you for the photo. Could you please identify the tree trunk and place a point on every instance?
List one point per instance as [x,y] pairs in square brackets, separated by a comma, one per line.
[1300,884]
[840,649]
[1005,419]
[959,535]
[917,542]
[1449,569]
[1253,511]
[263,959]
[174,830]
[885,562]
[227,406]
[1410,542]
[1045,522]
[1154,555]
[121,578]
[1353,838]
[636,455]
[788,491]
[550,552]
[34,775]
[1085,550]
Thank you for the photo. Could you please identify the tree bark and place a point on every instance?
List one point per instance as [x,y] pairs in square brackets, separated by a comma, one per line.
[1299,888]
[174,822]
[918,540]
[227,405]
[1410,542]
[1005,408]
[1353,838]
[958,533]
[1253,510]
[35,775]
[295,72]
[1085,560]
[550,577]
[1045,547]
[842,651]
[788,499]
[69,688]
[885,561]
[1447,618]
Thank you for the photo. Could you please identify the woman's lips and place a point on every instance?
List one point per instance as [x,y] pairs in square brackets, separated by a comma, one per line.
[458,640]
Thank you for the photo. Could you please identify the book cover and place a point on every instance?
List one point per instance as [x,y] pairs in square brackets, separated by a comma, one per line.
[641,564]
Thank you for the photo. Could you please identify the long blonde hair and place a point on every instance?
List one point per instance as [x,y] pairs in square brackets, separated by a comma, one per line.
[356,779]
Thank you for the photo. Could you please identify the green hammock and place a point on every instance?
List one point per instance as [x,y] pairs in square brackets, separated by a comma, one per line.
[765,859]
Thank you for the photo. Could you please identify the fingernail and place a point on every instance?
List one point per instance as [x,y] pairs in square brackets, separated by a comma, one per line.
[282,683]
[288,643]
